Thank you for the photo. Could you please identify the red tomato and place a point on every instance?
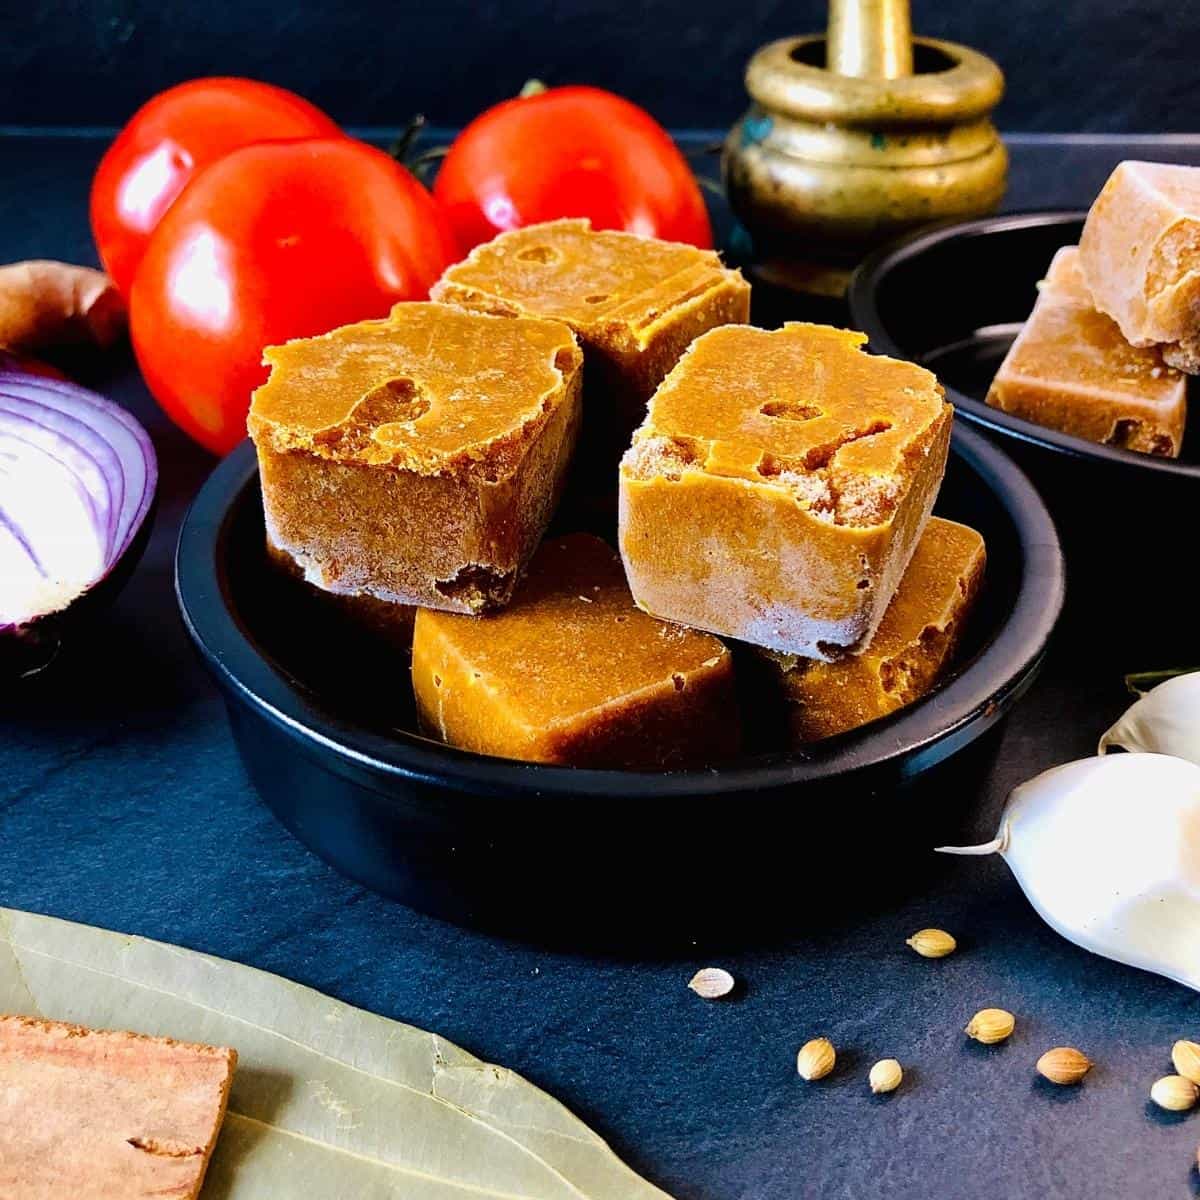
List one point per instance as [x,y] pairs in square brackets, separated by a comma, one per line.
[274,241]
[170,138]
[570,152]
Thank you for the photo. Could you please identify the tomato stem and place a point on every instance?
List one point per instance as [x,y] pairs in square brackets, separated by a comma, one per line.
[422,165]
[533,87]
[403,150]
[403,145]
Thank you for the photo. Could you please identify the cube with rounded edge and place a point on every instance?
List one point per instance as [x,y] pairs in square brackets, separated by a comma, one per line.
[779,485]
[910,650]
[635,303]
[417,459]
[1071,369]
[1140,256]
[572,672]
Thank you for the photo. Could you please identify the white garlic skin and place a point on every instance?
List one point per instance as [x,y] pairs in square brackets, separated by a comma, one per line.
[1166,720]
[1108,852]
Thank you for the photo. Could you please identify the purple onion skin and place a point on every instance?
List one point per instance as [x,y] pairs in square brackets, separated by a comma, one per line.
[27,649]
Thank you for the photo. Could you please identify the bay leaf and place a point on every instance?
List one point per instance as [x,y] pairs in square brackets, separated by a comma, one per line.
[329,1101]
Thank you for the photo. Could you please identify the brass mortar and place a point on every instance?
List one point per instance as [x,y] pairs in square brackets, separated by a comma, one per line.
[859,134]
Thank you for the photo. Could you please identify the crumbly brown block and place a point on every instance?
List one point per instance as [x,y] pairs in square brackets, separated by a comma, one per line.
[779,485]
[636,303]
[914,643]
[1140,256]
[1071,369]
[91,1115]
[573,673]
[417,459]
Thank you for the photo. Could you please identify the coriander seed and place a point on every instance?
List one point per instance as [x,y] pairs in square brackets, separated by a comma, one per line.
[932,943]
[1063,1065]
[886,1076]
[990,1025]
[711,983]
[816,1059]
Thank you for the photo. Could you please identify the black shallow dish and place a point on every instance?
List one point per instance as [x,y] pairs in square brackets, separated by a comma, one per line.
[953,298]
[325,729]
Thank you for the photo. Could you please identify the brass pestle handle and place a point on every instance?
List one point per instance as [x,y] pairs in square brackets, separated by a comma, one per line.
[869,39]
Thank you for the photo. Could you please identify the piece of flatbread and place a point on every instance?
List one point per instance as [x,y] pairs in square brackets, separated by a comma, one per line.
[98,1115]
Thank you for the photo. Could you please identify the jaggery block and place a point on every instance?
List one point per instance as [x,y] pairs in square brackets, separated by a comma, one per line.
[571,672]
[417,459]
[1071,369]
[96,1115]
[1140,256]
[779,485]
[914,643]
[635,303]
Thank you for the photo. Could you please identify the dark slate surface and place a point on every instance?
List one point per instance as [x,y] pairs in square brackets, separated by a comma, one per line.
[123,804]
[1078,64]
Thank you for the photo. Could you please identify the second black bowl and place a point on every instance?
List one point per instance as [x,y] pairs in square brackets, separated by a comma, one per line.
[329,740]
[953,299]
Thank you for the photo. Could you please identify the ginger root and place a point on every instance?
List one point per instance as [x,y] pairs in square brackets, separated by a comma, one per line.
[46,304]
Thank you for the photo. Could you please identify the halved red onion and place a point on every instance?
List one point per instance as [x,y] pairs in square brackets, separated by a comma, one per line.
[77,479]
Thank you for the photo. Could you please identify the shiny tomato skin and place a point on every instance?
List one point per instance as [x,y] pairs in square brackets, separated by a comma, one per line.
[171,137]
[274,241]
[570,152]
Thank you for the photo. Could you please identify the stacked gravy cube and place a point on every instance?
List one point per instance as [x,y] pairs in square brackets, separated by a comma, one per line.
[774,490]
[1116,328]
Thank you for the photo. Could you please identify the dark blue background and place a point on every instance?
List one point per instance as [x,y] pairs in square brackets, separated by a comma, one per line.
[1071,64]
[123,804]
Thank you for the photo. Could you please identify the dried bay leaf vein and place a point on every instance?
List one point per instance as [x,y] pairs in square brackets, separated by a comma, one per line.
[26,1000]
[382,1163]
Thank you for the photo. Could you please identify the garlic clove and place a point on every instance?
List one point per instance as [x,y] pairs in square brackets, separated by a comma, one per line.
[1107,850]
[1166,720]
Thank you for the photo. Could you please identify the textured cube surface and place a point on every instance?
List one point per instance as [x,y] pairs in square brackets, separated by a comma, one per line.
[1140,255]
[779,485]
[1070,368]
[636,303]
[571,672]
[87,1115]
[417,459]
[915,641]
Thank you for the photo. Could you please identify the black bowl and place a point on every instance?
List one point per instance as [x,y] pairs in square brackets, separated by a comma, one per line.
[953,298]
[327,734]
